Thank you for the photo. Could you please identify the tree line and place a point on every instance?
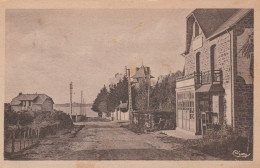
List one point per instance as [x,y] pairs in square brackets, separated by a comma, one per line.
[162,95]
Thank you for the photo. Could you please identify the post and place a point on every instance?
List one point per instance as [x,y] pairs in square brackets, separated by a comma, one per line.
[13,141]
[28,136]
[71,100]
[20,138]
[39,130]
[32,135]
[84,108]
[24,134]
[130,105]
[148,92]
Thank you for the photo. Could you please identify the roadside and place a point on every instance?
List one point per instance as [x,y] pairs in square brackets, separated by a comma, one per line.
[109,141]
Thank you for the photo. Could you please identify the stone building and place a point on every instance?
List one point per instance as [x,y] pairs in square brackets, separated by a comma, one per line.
[142,74]
[32,102]
[217,85]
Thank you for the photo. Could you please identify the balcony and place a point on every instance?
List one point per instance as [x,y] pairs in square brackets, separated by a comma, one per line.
[201,78]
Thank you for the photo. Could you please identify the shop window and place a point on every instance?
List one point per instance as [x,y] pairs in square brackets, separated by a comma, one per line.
[187,103]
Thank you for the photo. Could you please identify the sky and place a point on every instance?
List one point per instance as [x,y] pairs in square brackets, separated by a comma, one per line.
[46,49]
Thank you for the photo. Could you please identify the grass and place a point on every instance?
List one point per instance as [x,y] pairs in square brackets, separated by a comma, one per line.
[218,143]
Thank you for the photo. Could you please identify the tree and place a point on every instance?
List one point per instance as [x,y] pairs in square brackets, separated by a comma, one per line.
[247,51]
[100,103]
[162,94]
[141,98]
[118,92]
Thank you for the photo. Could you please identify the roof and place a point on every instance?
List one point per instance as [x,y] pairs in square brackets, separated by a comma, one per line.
[232,21]
[214,21]
[211,19]
[36,98]
[142,73]
[213,88]
[123,106]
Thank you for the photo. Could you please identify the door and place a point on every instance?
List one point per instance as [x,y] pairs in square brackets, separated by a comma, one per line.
[185,110]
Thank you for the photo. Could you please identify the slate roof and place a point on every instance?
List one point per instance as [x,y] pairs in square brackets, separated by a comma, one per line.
[232,21]
[211,19]
[123,106]
[141,73]
[215,21]
[36,98]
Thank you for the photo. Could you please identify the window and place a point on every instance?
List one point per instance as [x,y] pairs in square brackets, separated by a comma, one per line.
[198,62]
[212,57]
[196,29]
[185,101]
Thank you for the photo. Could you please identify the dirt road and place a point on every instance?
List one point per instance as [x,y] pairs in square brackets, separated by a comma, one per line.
[109,141]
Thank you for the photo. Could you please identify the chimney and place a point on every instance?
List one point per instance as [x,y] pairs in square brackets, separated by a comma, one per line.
[20,93]
[120,101]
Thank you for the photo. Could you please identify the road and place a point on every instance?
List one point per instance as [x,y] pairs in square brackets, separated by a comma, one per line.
[109,141]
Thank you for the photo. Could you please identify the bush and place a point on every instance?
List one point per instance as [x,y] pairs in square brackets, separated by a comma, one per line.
[14,118]
[52,117]
[221,142]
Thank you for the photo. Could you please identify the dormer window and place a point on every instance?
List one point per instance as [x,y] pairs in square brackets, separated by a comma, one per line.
[196,29]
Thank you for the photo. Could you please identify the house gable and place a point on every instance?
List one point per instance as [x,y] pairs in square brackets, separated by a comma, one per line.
[209,21]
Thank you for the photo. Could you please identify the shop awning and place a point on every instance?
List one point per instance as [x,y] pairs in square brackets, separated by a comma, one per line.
[213,88]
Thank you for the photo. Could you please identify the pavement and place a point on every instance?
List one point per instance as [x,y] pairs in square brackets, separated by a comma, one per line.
[182,134]
[109,141]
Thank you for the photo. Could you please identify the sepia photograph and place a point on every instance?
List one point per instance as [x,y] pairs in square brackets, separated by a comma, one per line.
[129,84]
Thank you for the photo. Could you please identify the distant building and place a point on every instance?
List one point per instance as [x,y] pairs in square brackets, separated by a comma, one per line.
[121,112]
[142,74]
[32,102]
[217,87]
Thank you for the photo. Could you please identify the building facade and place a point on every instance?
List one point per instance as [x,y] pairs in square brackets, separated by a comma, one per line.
[142,75]
[218,71]
[121,112]
[32,102]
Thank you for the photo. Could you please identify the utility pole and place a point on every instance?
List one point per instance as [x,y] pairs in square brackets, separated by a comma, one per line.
[81,103]
[130,106]
[71,99]
[148,92]
[84,108]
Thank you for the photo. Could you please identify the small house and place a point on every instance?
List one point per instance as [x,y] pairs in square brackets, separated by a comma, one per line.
[121,112]
[32,102]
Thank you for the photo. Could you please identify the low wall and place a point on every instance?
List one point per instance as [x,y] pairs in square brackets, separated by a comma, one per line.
[153,120]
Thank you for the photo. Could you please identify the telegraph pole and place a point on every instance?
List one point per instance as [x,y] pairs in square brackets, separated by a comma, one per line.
[148,92]
[84,108]
[71,99]
[130,106]
[81,104]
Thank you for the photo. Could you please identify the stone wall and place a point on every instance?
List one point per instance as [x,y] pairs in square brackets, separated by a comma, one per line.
[222,61]
[243,87]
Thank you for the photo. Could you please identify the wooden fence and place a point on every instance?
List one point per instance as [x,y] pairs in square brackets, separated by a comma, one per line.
[19,138]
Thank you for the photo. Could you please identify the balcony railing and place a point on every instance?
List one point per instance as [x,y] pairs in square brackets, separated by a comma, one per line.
[206,77]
